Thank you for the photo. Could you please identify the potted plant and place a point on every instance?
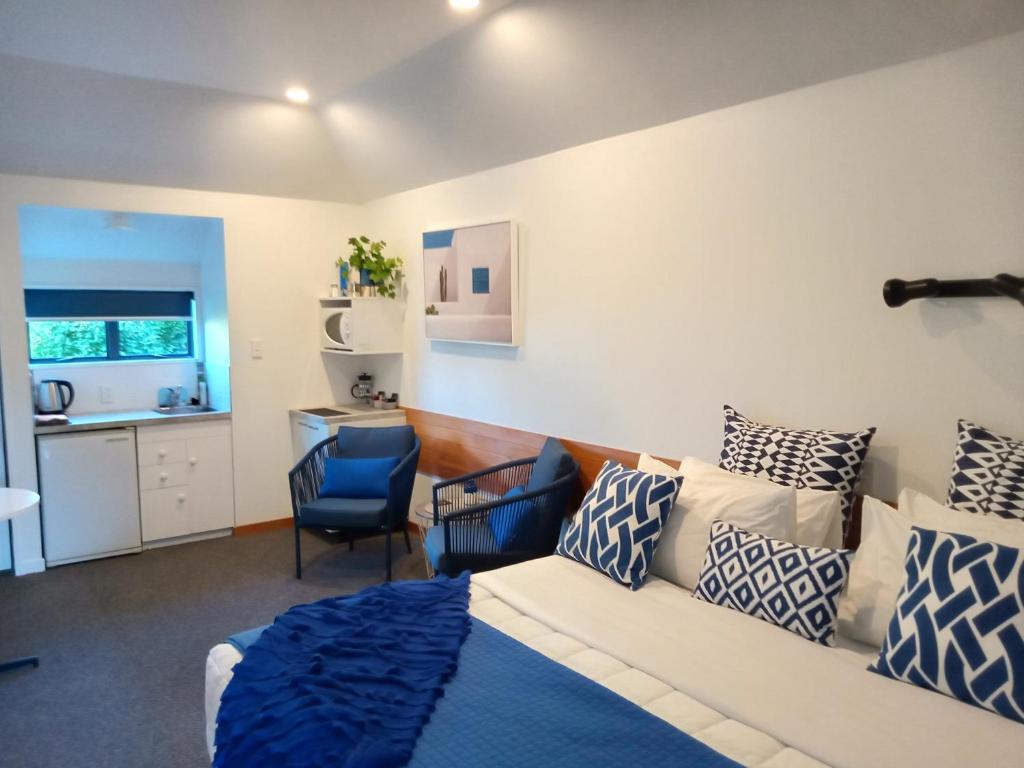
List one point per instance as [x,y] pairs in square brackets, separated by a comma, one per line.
[374,267]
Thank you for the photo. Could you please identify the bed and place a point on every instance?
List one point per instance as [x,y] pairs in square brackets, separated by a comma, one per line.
[753,692]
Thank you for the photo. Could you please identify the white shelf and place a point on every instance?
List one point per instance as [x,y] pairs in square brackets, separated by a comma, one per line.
[346,353]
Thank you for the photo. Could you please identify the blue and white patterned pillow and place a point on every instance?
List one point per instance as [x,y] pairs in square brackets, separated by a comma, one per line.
[619,523]
[988,473]
[801,458]
[959,622]
[782,583]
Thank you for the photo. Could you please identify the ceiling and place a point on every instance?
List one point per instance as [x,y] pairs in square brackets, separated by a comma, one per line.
[186,93]
[73,234]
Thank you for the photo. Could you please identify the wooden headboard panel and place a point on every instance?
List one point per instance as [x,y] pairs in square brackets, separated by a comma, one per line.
[453,446]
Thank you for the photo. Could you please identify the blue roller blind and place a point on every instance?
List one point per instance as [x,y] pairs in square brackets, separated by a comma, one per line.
[106,305]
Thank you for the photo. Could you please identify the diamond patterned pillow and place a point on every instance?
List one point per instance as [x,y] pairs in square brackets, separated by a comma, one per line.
[802,458]
[988,473]
[795,587]
[619,522]
[959,622]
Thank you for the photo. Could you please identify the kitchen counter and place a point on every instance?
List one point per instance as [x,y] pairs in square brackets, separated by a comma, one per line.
[116,419]
[344,412]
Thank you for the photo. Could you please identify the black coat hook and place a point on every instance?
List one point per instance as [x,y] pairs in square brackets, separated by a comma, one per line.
[898,292]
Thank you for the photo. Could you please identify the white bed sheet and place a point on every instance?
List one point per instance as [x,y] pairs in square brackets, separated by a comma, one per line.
[756,693]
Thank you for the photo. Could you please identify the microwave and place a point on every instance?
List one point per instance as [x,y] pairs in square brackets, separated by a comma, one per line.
[360,325]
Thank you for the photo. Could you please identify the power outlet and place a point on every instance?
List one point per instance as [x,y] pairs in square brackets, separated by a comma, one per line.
[256,349]
[106,394]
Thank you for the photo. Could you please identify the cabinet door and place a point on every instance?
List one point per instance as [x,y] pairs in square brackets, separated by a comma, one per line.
[210,484]
[165,513]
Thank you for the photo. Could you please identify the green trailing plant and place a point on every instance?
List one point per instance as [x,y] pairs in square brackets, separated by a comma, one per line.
[432,310]
[384,272]
[444,284]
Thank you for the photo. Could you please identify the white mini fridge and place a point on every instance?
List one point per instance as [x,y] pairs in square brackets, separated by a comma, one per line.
[89,484]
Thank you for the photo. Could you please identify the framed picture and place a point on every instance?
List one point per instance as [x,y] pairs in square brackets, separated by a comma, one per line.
[471,284]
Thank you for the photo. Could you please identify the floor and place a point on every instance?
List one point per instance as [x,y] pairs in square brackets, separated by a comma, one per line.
[123,641]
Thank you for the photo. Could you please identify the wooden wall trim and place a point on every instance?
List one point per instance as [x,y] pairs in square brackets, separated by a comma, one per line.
[453,446]
[266,525]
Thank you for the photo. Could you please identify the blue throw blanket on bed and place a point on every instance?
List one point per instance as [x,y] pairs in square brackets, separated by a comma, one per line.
[344,682]
[507,707]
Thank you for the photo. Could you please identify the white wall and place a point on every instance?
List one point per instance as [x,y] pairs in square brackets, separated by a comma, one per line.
[279,257]
[738,257]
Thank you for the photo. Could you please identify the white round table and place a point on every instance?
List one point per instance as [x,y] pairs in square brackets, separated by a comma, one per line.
[14,501]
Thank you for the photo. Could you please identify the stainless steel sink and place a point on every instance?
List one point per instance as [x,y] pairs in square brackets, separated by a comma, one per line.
[181,410]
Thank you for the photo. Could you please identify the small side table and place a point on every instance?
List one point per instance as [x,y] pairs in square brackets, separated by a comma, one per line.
[14,501]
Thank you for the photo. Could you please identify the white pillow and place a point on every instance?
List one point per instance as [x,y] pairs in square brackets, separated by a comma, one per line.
[930,514]
[710,494]
[818,518]
[877,573]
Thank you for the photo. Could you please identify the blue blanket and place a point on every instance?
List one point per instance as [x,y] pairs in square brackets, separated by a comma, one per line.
[346,682]
[511,707]
[506,707]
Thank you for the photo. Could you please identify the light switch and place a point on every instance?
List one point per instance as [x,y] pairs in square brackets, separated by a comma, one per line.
[256,349]
[106,394]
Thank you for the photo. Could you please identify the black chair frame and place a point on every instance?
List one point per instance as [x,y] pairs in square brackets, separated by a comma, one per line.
[305,480]
[464,518]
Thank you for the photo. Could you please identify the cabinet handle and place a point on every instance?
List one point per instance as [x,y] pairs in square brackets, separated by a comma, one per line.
[161,453]
[163,476]
[115,439]
[193,461]
[181,497]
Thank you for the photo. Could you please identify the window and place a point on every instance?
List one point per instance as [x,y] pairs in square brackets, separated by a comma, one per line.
[69,326]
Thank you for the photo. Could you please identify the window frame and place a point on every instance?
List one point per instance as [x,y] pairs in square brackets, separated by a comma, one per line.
[113,337]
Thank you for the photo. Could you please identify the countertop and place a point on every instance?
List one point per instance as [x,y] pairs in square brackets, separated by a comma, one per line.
[115,419]
[350,412]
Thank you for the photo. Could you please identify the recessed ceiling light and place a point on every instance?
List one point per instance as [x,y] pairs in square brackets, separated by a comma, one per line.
[298,94]
[464,5]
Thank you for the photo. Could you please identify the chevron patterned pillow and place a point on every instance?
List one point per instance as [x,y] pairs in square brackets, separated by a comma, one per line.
[988,473]
[619,523]
[801,458]
[959,622]
[782,583]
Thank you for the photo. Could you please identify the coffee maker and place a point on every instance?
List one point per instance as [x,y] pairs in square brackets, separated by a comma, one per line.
[363,388]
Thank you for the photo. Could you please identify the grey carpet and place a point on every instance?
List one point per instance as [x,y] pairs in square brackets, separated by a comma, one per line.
[123,641]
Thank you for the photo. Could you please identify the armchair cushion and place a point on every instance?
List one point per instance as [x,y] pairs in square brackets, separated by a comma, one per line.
[553,463]
[357,478]
[433,543]
[507,522]
[331,512]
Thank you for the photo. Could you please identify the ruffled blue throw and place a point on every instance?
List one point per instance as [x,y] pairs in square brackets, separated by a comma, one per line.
[345,682]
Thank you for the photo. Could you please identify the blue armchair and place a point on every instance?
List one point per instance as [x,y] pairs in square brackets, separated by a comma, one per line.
[356,517]
[502,515]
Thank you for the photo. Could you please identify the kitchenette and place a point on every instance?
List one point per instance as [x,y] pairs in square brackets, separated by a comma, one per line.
[117,482]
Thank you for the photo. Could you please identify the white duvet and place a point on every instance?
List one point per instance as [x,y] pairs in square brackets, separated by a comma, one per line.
[754,692]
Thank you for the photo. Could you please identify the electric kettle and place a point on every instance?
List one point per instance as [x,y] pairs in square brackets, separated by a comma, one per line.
[50,396]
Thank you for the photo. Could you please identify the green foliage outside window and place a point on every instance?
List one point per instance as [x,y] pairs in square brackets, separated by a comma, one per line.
[140,338]
[69,340]
[58,339]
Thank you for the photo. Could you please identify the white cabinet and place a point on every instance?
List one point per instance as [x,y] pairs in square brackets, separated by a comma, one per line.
[186,479]
[307,432]
[308,429]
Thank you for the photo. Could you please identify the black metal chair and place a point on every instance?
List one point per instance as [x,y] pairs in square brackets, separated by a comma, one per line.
[356,518]
[463,536]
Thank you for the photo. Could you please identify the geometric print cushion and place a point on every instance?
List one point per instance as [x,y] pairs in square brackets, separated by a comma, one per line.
[619,523]
[786,584]
[959,622]
[988,473]
[801,458]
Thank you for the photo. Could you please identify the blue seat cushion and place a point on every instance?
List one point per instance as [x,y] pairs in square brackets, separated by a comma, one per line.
[511,523]
[357,478]
[433,543]
[332,512]
[553,463]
